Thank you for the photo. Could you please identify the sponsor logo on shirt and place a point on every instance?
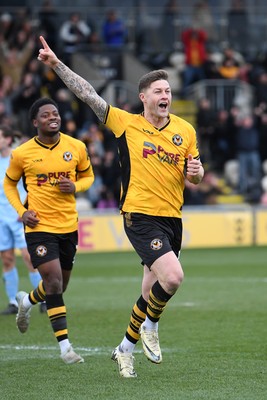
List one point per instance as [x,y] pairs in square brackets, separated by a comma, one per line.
[163,155]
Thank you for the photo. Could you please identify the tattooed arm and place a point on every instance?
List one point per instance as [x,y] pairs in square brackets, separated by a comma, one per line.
[79,86]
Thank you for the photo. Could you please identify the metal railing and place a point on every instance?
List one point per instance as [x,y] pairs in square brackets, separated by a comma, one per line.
[223,94]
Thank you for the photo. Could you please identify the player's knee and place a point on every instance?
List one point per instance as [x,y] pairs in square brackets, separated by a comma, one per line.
[8,262]
[174,281]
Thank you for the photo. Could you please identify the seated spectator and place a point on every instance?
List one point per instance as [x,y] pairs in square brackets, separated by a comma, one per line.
[230,67]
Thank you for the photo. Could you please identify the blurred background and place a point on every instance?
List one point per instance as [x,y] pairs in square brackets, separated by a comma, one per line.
[214,51]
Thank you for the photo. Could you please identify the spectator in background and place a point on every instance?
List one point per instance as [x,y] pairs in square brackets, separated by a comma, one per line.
[6,28]
[114,31]
[33,67]
[230,66]
[68,106]
[262,126]
[222,147]
[74,32]
[204,193]
[95,191]
[202,19]
[14,60]
[205,120]
[238,26]
[23,20]
[6,92]
[48,17]
[248,154]
[111,175]
[194,42]
[168,28]
[211,65]
[27,92]
[91,133]
[107,199]
[261,90]
[50,82]
[71,128]
[5,117]
[11,228]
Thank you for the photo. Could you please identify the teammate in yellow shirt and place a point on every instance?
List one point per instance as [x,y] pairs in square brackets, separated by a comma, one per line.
[54,166]
[158,151]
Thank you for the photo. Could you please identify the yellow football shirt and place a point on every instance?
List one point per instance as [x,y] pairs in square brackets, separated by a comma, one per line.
[40,165]
[152,161]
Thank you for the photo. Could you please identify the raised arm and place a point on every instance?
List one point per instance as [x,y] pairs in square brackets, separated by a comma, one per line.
[79,86]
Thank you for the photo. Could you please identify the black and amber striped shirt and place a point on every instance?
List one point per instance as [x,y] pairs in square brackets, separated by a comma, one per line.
[40,166]
[152,161]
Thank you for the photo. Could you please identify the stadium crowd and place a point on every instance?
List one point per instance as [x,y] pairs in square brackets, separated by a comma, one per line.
[224,135]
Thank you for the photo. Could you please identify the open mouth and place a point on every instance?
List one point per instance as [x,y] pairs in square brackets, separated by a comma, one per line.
[163,106]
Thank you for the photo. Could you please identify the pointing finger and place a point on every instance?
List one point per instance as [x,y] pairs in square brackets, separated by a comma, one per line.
[44,43]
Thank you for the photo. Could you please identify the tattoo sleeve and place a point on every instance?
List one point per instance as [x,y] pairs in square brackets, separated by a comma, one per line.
[82,89]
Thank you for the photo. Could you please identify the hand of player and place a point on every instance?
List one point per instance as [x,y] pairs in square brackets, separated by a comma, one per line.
[66,185]
[46,55]
[193,166]
[30,218]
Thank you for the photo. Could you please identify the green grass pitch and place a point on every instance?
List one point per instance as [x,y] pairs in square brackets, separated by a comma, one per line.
[213,333]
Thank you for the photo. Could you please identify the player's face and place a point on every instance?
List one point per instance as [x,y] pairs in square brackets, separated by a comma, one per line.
[48,121]
[157,99]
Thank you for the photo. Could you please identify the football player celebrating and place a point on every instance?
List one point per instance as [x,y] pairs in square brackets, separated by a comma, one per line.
[158,151]
[54,167]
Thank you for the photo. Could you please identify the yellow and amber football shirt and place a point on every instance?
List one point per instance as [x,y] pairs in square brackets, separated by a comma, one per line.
[152,161]
[40,166]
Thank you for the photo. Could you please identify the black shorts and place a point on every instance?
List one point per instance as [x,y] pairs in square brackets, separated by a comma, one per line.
[44,247]
[153,236]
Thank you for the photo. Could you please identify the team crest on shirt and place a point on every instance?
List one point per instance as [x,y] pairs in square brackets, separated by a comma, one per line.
[41,251]
[156,244]
[177,140]
[67,156]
